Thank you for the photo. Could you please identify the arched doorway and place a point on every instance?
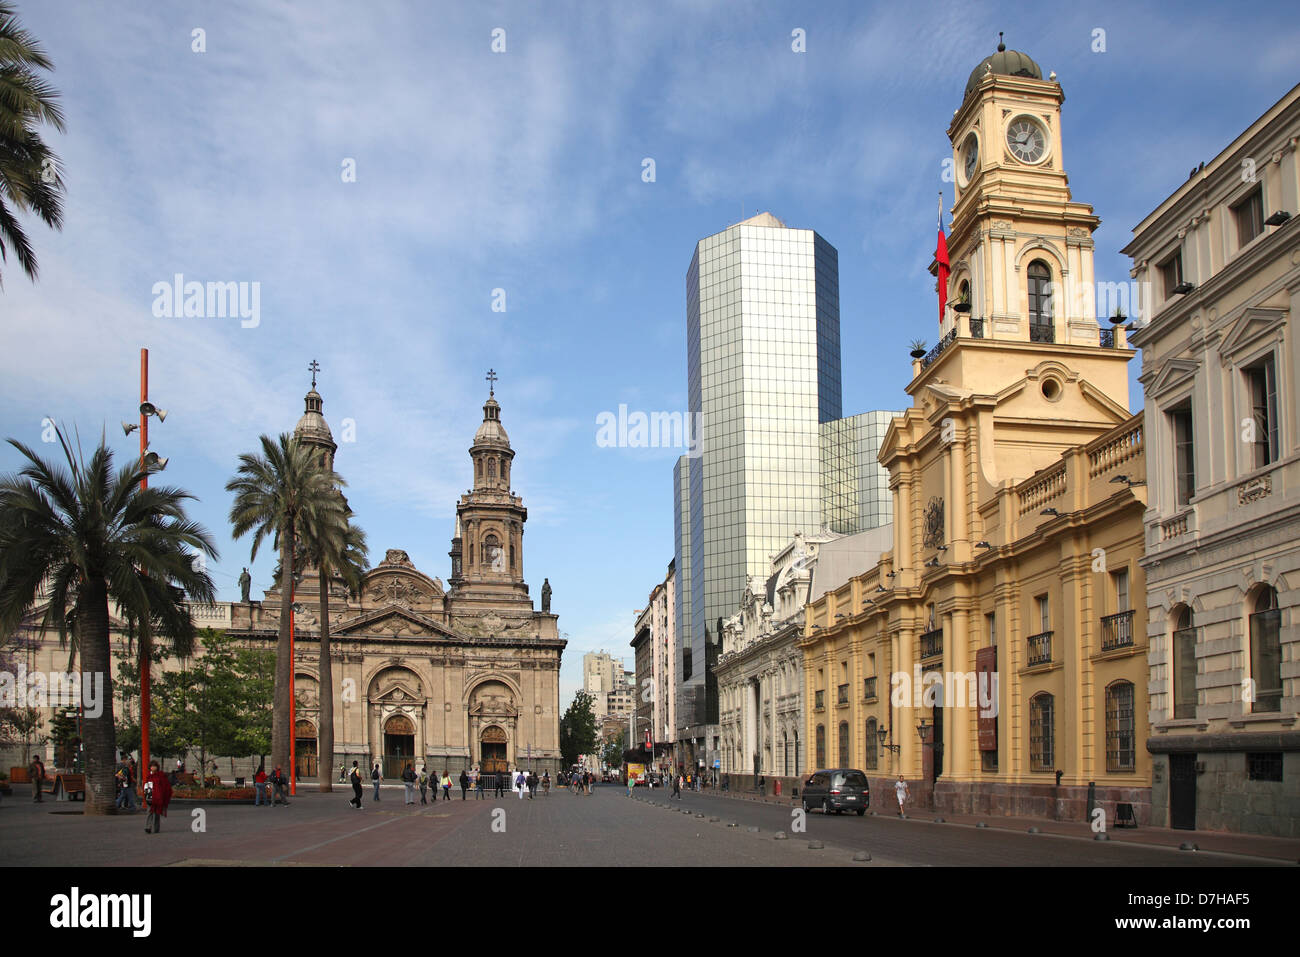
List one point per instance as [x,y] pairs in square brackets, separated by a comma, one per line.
[304,748]
[492,750]
[399,745]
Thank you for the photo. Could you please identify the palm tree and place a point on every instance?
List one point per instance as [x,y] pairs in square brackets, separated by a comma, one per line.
[91,536]
[279,493]
[31,174]
[338,551]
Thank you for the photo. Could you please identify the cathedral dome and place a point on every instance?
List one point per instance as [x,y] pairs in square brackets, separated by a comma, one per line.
[1004,63]
[312,426]
[492,432]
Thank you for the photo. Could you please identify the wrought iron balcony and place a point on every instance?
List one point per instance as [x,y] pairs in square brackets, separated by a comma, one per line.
[1042,332]
[869,687]
[1040,648]
[977,327]
[819,700]
[932,644]
[1117,631]
[842,694]
[944,343]
[1107,338]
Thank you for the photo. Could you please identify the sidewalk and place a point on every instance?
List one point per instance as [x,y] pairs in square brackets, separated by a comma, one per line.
[1223,842]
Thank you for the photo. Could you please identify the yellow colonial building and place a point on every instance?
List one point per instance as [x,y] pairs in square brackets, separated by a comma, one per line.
[996,656]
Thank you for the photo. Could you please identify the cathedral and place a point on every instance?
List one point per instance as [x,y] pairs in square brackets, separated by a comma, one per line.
[450,676]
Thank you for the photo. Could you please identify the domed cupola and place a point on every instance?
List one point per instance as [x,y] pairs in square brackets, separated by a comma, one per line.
[1004,63]
[312,427]
[491,450]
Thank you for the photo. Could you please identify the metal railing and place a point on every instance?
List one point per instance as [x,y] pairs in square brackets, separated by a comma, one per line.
[819,700]
[1107,337]
[869,687]
[1117,631]
[842,694]
[932,643]
[977,328]
[1042,332]
[1040,648]
[944,343]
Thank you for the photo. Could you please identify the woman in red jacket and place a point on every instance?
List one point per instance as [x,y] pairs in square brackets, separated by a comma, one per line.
[158,794]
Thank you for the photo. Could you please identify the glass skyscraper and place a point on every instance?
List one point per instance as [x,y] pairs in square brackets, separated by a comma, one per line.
[855,486]
[763,374]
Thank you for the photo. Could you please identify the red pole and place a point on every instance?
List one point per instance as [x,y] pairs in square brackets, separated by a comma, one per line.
[144,639]
[293,710]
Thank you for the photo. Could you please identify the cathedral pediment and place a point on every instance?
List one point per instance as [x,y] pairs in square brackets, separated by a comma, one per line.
[1254,324]
[394,622]
[1172,375]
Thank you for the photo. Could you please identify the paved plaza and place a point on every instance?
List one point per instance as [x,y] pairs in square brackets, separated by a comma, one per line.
[605,829]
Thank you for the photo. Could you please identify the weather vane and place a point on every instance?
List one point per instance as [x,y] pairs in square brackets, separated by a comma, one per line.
[491,381]
[314,367]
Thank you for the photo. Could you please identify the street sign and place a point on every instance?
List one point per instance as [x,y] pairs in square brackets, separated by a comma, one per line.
[717,764]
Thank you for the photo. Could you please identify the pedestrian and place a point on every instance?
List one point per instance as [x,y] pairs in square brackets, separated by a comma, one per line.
[631,783]
[343,770]
[375,779]
[519,783]
[446,786]
[532,785]
[546,783]
[408,781]
[119,779]
[499,780]
[355,776]
[900,790]
[279,787]
[464,783]
[424,783]
[158,794]
[130,784]
[36,772]
[677,786]
[259,785]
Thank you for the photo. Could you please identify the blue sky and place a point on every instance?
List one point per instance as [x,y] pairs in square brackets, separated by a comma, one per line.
[522,171]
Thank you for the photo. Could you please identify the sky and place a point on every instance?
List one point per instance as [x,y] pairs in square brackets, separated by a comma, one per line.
[383,177]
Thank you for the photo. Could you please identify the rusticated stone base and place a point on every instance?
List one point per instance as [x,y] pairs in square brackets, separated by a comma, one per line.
[1064,803]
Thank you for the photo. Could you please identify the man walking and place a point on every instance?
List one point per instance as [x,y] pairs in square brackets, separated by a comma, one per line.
[408,782]
[900,790]
[36,772]
[355,777]
[279,787]
[677,786]
[464,783]
[375,779]
[424,783]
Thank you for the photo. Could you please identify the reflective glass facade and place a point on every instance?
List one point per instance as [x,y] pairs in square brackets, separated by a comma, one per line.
[855,486]
[763,374]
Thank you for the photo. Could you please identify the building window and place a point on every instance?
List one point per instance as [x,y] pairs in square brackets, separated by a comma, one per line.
[1120,580]
[821,746]
[1042,733]
[989,761]
[1171,273]
[686,663]
[1264,766]
[1249,214]
[992,620]
[1180,423]
[1184,646]
[1044,607]
[872,743]
[1121,747]
[844,744]
[1262,383]
[1040,302]
[492,468]
[1266,652]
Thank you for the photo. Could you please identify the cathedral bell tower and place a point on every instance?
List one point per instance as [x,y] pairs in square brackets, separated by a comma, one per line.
[487,553]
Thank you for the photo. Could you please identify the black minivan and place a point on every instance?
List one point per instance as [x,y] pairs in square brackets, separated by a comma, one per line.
[837,789]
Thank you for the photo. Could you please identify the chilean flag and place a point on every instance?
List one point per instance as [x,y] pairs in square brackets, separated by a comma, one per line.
[941,258]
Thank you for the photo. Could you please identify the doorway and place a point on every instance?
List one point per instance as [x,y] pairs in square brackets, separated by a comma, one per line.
[399,745]
[304,749]
[492,753]
[1182,791]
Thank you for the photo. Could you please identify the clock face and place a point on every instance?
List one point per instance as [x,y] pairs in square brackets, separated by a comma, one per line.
[970,156]
[1026,140]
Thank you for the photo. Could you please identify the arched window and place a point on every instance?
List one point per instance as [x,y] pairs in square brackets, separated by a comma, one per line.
[872,741]
[1266,652]
[478,468]
[1121,746]
[1042,733]
[1183,644]
[492,468]
[1041,327]
[821,746]
[844,744]
[492,552]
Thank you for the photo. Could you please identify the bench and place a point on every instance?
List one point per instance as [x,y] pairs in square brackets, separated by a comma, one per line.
[69,787]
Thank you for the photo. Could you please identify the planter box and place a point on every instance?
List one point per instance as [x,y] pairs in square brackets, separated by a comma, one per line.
[18,776]
[213,794]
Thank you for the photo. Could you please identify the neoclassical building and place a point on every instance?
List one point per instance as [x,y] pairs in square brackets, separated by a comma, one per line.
[449,675]
[1220,262]
[760,667]
[1018,503]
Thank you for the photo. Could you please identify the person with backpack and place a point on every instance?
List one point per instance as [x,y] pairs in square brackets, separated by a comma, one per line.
[446,786]
[355,777]
[279,787]
[375,779]
[532,784]
[408,781]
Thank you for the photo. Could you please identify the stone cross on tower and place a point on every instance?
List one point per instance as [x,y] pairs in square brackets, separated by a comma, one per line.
[314,367]
[491,381]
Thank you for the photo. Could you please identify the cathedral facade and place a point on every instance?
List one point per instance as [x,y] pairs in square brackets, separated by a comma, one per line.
[449,676]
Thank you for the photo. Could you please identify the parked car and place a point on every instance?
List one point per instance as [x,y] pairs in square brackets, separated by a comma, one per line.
[838,790]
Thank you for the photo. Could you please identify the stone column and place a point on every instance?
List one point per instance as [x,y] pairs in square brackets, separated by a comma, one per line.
[959,724]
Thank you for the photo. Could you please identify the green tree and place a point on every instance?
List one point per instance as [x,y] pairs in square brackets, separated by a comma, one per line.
[286,488]
[578,734]
[612,751]
[31,174]
[339,552]
[90,535]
